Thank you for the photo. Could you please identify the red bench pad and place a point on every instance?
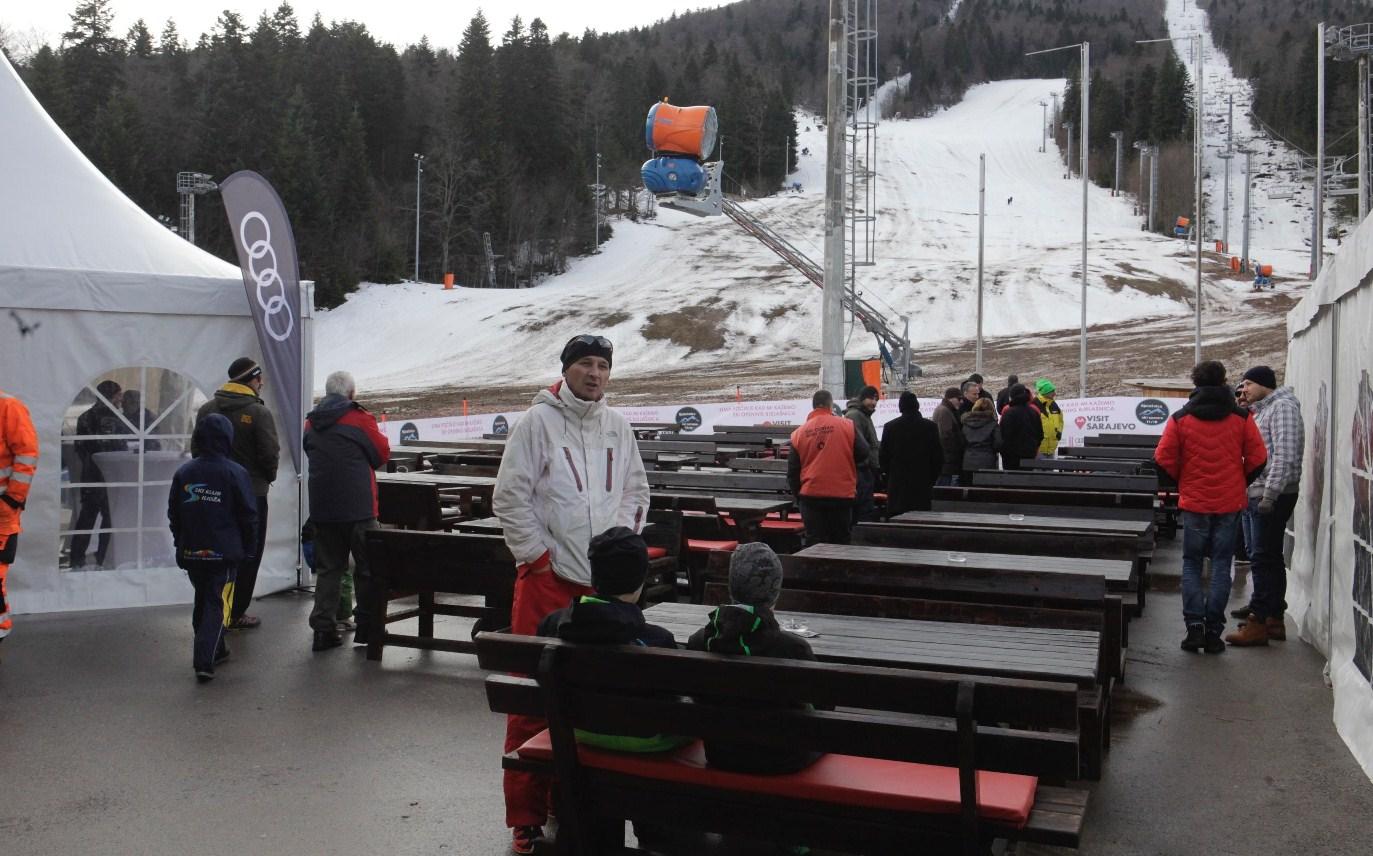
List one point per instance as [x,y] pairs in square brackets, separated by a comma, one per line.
[702,545]
[657,552]
[841,779]
[792,525]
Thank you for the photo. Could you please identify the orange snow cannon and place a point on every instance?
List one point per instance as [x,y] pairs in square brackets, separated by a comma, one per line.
[1266,270]
[685,131]
[1183,222]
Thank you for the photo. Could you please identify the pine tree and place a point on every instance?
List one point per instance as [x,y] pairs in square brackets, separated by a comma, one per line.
[140,40]
[91,62]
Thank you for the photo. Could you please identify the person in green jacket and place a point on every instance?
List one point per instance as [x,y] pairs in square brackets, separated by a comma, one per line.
[1050,417]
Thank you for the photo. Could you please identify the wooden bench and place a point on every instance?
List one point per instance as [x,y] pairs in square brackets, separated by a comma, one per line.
[1104,503]
[662,533]
[1142,440]
[1147,484]
[759,465]
[416,505]
[1082,465]
[429,563]
[897,718]
[721,480]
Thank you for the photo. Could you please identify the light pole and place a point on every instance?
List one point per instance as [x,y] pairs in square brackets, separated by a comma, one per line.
[1248,182]
[1044,127]
[1084,119]
[981,243]
[1197,143]
[1318,206]
[596,190]
[419,173]
[1119,137]
[1142,147]
[1068,126]
[1054,95]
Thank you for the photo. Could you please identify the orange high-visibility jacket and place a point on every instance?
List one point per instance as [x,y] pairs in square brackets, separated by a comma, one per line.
[18,460]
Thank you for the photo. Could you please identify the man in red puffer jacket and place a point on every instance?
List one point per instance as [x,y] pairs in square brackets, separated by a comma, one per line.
[1213,449]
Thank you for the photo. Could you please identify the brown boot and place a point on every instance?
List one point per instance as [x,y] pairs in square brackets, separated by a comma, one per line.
[1248,634]
[1277,629]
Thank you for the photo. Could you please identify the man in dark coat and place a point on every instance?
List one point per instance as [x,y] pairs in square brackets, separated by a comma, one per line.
[1021,428]
[256,449]
[860,412]
[912,458]
[100,419]
[946,419]
[1003,395]
[345,448]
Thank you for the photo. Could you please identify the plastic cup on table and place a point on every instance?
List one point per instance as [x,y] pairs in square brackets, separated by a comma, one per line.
[958,557]
[1017,517]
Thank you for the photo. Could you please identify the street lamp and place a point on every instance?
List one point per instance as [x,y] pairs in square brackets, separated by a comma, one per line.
[1141,146]
[1195,39]
[597,190]
[1044,126]
[419,173]
[1119,137]
[1084,114]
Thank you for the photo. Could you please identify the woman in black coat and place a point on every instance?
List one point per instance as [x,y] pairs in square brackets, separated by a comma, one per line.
[1021,429]
[911,457]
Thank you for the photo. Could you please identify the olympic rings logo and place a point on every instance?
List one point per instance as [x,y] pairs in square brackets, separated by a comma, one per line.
[271,290]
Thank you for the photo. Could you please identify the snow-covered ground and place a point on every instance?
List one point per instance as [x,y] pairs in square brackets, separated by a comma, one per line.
[1280,228]
[683,293]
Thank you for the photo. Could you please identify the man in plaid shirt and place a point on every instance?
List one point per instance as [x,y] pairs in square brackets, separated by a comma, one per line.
[1272,497]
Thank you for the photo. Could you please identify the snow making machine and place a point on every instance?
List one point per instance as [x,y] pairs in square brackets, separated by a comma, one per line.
[681,138]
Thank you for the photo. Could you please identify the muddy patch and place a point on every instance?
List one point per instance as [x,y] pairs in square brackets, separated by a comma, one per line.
[539,324]
[779,311]
[1156,286]
[612,319]
[697,328]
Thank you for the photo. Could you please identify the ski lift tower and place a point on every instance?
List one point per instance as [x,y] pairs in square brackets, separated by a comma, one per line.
[1355,44]
[189,185]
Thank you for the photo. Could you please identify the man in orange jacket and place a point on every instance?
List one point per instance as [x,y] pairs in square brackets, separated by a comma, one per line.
[822,471]
[18,461]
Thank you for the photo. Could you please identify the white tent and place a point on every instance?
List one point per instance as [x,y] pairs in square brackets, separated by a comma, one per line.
[1330,584]
[91,288]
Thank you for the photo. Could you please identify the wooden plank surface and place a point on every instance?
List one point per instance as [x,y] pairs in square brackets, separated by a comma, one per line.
[974,520]
[1082,465]
[986,649]
[1107,569]
[438,479]
[1108,453]
[731,504]
[1065,481]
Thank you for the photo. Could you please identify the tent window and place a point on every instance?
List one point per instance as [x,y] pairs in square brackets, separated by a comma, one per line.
[123,437]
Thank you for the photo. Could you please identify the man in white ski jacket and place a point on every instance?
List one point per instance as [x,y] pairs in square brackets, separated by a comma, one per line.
[571,470]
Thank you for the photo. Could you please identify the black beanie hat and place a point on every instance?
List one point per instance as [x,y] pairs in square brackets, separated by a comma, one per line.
[1263,376]
[619,561]
[586,345]
[244,369]
[908,403]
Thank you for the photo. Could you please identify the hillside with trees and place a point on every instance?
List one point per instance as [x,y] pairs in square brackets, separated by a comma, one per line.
[510,117]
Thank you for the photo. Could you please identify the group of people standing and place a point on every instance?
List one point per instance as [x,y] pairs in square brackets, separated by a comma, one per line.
[976,428]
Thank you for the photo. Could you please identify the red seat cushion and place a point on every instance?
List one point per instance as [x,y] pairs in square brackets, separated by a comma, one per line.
[702,545]
[656,553]
[879,497]
[841,779]
[792,525]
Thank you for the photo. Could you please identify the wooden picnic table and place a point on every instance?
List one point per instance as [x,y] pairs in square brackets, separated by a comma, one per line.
[1115,573]
[982,649]
[773,432]
[1145,440]
[1083,465]
[440,479]
[480,526]
[747,512]
[1069,525]
[1141,454]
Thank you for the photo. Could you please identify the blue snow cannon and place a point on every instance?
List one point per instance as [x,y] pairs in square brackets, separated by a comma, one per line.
[673,175]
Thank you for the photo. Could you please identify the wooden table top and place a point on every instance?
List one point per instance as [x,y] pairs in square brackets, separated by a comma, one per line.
[987,649]
[734,504]
[975,520]
[1113,571]
[480,526]
[438,479]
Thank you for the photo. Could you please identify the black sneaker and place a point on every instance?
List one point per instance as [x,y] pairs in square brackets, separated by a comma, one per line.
[204,676]
[222,655]
[326,639]
[360,636]
[1214,644]
[1242,612]
[1196,637]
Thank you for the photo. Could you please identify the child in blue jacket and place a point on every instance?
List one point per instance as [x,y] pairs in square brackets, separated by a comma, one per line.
[213,516]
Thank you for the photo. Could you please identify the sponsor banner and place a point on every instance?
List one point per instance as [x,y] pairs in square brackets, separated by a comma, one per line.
[267,255]
[1082,418]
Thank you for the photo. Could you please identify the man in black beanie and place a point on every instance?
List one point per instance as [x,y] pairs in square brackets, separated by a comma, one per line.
[912,458]
[256,449]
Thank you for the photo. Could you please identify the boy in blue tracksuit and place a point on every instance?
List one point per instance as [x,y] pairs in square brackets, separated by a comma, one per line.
[213,516]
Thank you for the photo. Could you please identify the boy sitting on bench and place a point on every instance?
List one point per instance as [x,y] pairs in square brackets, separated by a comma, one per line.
[611,616]
[747,627]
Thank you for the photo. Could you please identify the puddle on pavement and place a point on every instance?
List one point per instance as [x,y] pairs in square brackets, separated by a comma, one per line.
[1128,704]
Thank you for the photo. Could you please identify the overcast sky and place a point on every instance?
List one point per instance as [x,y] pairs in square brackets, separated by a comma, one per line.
[401,22]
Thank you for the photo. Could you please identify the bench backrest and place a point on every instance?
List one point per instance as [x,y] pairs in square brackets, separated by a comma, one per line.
[1109,453]
[725,481]
[897,714]
[1149,441]
[1108,500]
[1066,481]
[443,561]
[1079,512]
[409,505]
[677,446]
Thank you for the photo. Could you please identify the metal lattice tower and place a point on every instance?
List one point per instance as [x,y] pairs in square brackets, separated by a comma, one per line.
[189,185]
[1355,44]
[860,136]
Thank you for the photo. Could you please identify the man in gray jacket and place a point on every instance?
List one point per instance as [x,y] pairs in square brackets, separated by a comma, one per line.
[1272,498]
[860,412]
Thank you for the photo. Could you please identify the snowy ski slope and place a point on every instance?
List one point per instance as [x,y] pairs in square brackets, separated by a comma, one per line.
[687,292]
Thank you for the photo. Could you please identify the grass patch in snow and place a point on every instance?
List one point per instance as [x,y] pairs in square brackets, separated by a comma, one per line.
[612,319]
[544,323]
[1158,286]
[697,328]
[780,310]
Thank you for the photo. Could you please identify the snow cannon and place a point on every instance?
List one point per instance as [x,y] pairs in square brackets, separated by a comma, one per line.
[687,131]
[1263,276]
[1181,227]
[670,174]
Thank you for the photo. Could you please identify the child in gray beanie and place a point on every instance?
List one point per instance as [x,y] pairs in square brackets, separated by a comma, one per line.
[748,628]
